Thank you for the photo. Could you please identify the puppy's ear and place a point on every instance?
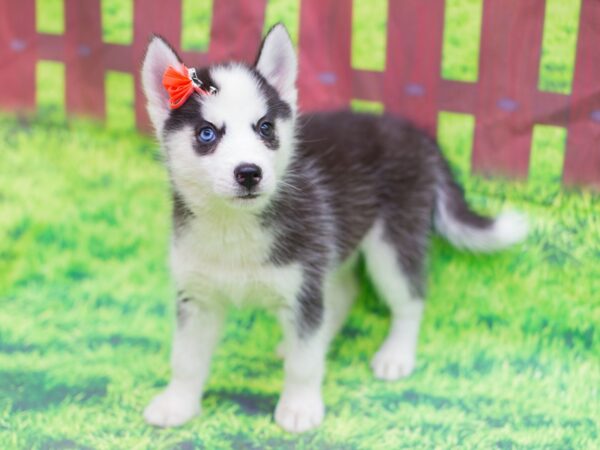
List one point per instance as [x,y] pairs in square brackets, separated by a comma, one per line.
[159,56]
[277,62]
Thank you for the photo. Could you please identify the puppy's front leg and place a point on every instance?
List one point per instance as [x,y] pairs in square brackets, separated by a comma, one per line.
[196,335]
[300,405]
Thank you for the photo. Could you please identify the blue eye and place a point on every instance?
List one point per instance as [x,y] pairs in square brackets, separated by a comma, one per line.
[266,129]
[207,135]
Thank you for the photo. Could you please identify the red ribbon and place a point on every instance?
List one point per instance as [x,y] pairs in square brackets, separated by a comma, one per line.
[179,85]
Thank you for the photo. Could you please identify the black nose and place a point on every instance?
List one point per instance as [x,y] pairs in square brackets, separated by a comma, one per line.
[248,175]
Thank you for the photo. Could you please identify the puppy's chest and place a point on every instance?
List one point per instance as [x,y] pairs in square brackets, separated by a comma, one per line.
[230,263]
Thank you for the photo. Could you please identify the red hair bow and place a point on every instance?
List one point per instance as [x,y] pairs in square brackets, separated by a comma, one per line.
[182,82]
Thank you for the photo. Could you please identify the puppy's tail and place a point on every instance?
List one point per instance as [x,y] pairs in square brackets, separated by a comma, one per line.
[466,229]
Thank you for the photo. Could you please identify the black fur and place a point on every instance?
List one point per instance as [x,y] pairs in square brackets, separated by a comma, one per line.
[350,176]
[190,113]
[310,299]
[181,212]
[456,202]
[276,107]
[182,300]
[358,169]
[349,171]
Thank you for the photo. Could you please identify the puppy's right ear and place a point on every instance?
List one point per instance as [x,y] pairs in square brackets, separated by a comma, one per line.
[278,63]
[159,56]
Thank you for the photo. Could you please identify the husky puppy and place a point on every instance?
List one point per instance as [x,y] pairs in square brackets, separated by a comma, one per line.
[273,207]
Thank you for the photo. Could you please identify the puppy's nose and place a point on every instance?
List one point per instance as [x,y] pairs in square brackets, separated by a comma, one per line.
[248,175]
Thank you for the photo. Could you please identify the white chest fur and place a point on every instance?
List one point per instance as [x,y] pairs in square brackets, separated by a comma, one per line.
[227,261]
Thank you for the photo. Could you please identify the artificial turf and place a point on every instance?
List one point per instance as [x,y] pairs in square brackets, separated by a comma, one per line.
[508,351]
[509,348]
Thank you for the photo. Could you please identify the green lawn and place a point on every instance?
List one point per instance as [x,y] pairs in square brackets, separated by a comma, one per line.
[508,350]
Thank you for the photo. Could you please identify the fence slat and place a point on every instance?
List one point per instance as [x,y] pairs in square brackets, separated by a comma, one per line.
[236,29]
[505,101]
[152,17]
[582,159]
[509,65]
[84,58]
[411,81]
[18,54]
[325,38]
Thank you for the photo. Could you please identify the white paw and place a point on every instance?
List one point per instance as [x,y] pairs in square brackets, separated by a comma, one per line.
[299,413]
[171,408]
[392,365]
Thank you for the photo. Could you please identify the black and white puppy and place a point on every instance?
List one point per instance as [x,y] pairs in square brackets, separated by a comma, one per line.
[273,207]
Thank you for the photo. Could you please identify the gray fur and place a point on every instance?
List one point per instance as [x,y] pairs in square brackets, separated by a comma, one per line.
[349,171]
[345,183]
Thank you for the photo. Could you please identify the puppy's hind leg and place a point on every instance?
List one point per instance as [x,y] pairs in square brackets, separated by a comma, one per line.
[397,356]
[341,289]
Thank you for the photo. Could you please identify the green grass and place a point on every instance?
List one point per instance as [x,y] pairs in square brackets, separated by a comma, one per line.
[117,21]
[50,90]
[462,30]
[558,45]
[120,112]
[547,157]
[369,22]
[50,16]
[196,18]
[508,350]
[509,347]
[285,11]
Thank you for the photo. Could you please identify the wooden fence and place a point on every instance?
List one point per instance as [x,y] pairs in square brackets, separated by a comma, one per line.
[505,101]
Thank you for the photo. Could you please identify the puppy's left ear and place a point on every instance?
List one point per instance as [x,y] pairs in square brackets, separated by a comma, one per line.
[277,62]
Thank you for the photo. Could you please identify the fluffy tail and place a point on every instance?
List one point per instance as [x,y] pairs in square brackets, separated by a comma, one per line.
[466,229]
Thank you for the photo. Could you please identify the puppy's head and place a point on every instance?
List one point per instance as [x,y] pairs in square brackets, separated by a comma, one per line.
[229,147]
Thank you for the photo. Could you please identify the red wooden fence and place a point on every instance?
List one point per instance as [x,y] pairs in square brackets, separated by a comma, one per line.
[505,101]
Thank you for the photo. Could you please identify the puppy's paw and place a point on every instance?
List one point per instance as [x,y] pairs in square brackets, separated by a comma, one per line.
[391,365]
[299,413]
[171,408]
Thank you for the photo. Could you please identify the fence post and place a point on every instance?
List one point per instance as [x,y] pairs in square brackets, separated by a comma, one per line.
[325,41]
[508,78]
[414,53]
[236,29]
[84,58]
[582,158]
[18,54]
[151,17]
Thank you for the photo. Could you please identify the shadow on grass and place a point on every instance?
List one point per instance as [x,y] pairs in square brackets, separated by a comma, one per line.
[32,390]
[251,403]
